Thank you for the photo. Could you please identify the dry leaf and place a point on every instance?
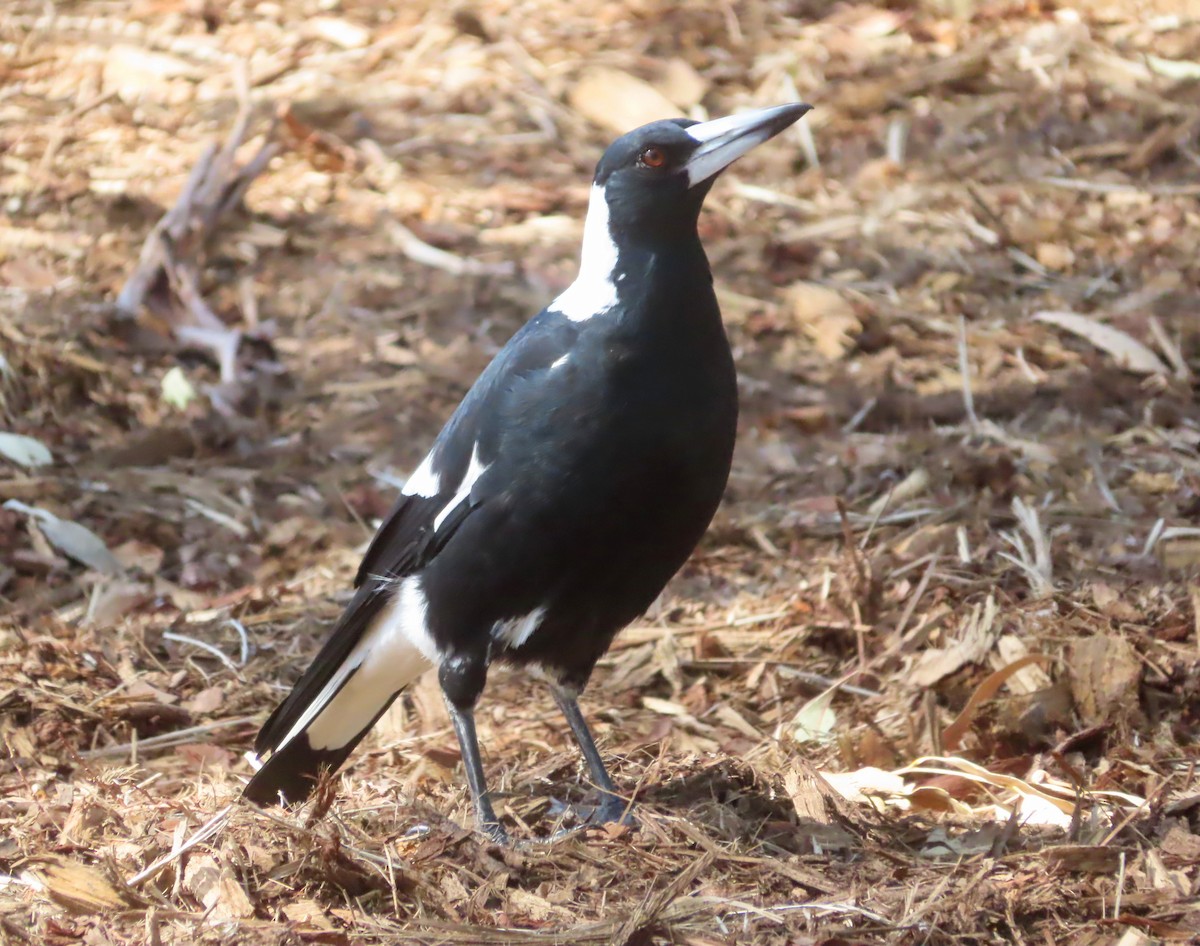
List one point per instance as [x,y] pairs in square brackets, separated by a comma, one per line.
[307,913]
[1028,680]
[1127,351]
[618,101]
[912,486]
[340,32]
[74,540]
[208,700]
[1104,674]
[952,734]
[24,451]
[79,888]
[113,599]
[537,908]
[1110,603]
[825,316]
[682,84]
[136,555]
[217,888]
[977,638]
[1179,547]
[816,719]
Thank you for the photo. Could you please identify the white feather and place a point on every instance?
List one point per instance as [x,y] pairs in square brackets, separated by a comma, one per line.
[594,291]
[423,482]
[475,469]
[516,631]
[394,651]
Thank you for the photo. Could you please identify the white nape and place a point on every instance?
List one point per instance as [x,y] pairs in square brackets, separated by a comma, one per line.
[394,651]
[593,292]
[423,482]
[515,631]
[475,469]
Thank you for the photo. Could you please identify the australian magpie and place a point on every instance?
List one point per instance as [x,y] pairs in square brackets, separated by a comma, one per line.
[574,479]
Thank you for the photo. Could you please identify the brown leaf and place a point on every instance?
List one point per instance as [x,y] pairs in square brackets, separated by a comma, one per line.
[1105,673]
[139,555]
[618,101]
[823,814]
[207,701]
[1108,600]
[1126,351]
[78,887]
[825,316]
[682,84]
[1084,858]
[537,908]
[307,913]
[217,888]
[952,734]
[114,599]
[205,755]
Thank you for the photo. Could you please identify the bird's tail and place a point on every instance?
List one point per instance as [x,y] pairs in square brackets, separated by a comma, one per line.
[369,658]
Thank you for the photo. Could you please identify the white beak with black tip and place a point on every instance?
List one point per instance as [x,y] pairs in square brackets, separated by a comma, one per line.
[724,140]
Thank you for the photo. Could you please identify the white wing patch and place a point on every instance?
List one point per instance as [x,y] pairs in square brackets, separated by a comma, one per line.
[475,469]
[593,292]
[559,362]
[516,631]
[423,482]
[394,651]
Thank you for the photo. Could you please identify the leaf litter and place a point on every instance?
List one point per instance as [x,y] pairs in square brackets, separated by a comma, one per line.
[959,546]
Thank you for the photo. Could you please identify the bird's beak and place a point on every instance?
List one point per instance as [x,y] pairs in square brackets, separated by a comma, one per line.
[724,140]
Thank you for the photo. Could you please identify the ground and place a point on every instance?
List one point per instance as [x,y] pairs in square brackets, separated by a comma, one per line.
[932,676]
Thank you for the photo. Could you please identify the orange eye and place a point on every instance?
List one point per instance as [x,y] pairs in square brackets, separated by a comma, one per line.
[652,158]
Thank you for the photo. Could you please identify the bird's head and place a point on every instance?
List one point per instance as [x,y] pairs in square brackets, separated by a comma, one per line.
[655,178]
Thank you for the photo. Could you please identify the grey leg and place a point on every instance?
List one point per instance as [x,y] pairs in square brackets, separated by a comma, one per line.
[612,808]
[485,816]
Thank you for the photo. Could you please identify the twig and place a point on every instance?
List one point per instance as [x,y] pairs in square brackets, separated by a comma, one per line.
[168,739]
[203,833]
[1120,884]
[911,605]
[834,908]
[207,648]
[243,638]
[153,255]
[421,252]
[860,415]
[1116,187]
[964,370]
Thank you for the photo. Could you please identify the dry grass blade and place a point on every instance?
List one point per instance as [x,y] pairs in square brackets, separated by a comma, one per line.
[1033,559]
[952,735]
[647,914]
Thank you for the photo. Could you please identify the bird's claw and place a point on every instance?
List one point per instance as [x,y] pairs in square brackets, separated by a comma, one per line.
[610,810]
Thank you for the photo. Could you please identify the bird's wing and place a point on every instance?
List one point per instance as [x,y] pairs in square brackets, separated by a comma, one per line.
[436,501]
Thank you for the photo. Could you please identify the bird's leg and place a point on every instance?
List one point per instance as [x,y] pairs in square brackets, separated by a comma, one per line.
[462,681]
[485,814]
[612,807]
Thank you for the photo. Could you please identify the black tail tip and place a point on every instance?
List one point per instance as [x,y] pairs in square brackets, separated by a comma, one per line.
[290,774]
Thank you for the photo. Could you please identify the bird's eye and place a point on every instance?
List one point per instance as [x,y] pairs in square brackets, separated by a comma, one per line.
[652,158]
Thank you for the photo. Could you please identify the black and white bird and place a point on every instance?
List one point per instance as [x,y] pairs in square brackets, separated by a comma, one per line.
[572,482]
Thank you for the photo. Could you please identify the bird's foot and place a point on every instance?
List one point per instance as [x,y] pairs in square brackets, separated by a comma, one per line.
[494,832]
[610,809]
